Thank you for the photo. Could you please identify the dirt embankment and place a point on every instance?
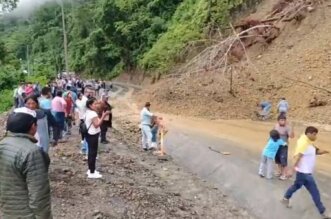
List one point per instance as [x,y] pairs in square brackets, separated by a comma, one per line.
[295,65]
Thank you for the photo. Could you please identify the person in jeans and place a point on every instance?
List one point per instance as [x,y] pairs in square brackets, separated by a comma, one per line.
[269,153]
[45,103]
[42,134]
[304,164]
[58,111]
[146,118]
[93,123]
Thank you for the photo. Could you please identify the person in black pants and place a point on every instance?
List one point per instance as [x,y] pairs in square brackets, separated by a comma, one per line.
[93,123]
[107,121]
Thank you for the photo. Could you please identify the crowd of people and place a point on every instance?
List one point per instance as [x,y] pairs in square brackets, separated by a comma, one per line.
[276,152]
[44,116]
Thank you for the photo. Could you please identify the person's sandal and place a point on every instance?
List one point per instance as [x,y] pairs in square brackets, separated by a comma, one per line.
[286,202]
[325,216]
[282,178]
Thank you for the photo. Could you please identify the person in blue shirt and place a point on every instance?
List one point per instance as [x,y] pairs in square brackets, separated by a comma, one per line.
[269,154]
[283,106]
[265,107]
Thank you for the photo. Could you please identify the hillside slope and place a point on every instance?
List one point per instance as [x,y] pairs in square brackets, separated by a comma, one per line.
[292,66]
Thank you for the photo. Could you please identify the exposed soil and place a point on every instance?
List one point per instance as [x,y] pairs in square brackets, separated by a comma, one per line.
[292,66]
[136,184]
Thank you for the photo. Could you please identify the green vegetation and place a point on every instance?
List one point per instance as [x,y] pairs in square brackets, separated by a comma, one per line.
[106,37]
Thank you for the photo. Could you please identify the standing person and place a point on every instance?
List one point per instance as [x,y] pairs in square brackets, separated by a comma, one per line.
[68,111]
[103,84]
[304,164]
[54,88]
[108,119]
[21,95]
[93,123]
[28,89]
[269,153]
[42,134]
[45,103]
[58,111]
[24,183]
[81,109]
[146,118]
[15,97]
[283,106]
[285,132]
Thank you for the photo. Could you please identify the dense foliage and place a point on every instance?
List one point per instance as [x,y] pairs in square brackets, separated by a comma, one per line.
[107,37]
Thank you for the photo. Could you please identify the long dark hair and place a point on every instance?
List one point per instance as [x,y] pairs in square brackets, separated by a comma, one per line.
[89,102]
[33,98]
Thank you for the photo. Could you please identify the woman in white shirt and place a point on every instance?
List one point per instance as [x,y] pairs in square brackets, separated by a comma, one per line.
[93,123]
[81,109]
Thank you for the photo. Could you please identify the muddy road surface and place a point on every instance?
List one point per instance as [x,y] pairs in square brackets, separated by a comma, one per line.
[194,144]
[135,184]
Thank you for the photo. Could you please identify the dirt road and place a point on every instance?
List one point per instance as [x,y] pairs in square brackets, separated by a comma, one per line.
[135,184]
[189,141]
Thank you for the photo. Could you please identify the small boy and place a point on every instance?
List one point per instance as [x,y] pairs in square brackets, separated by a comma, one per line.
[285,132]
[269,153]
[157,126]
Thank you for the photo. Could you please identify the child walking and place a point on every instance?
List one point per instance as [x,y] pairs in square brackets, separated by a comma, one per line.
[269,153]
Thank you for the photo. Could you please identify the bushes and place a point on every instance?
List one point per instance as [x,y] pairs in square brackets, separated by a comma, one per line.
[189,23]
[107,37]
[6,100]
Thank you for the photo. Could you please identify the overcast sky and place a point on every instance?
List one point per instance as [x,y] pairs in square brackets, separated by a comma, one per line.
[26,6]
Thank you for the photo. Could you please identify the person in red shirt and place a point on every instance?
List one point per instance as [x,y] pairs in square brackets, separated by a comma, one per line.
[68,112]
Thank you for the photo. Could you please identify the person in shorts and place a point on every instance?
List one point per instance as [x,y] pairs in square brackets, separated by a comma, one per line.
[285,132]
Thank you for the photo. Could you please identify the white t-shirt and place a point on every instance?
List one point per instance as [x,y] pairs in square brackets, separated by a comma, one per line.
[145,117]
[90,115]
[308,160]
[81,108]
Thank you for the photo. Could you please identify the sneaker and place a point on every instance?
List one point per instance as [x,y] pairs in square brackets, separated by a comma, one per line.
[283,178]
[89,172]
[286,202]
[82,142]
[145,149]
[326,216]
[94,175]
[105,142]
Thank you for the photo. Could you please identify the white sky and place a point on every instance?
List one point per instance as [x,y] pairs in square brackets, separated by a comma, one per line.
[24,7]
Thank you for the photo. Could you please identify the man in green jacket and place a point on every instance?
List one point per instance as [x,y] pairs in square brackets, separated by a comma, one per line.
[24,183]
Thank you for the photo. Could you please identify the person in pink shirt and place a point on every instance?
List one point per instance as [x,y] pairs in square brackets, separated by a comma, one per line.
[58,110]
[28,89]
